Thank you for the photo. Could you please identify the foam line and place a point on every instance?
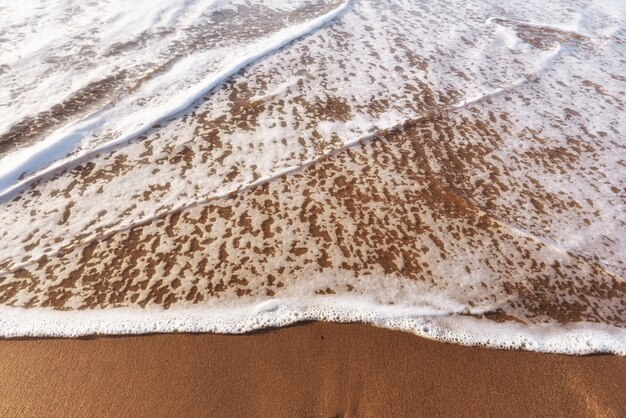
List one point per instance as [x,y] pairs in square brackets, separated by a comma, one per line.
[579,338]
[64,141]
[573,28]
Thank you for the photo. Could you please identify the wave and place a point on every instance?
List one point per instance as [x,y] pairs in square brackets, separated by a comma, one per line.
[49,154]
[423,167]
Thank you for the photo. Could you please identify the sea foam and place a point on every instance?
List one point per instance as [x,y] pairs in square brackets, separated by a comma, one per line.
[160,98]
[450,169]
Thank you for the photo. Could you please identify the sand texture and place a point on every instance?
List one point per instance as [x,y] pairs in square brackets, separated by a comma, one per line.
[315,369]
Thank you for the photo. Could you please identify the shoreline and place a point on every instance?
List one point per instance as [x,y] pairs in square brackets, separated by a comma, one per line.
[476,329]
[305,369]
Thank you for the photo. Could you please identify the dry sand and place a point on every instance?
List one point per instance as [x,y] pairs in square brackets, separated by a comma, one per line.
[315,369]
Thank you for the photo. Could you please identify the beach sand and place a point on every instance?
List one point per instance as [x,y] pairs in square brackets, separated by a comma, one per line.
[314,369]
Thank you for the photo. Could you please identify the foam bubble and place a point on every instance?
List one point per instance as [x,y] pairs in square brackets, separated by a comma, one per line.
[578,338]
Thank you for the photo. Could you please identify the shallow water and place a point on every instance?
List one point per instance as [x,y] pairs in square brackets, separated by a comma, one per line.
[455,169]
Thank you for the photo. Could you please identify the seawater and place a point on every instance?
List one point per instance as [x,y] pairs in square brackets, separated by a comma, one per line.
[454,169]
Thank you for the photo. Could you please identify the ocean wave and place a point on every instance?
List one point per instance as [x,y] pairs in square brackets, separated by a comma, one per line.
[451,169]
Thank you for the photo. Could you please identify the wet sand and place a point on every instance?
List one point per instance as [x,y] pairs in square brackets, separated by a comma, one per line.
[315,369]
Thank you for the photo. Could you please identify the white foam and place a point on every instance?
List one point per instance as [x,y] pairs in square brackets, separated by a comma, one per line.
[130,120]
[500,64]
[579,338]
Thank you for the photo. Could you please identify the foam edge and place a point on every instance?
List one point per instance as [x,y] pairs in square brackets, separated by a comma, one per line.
[573,339]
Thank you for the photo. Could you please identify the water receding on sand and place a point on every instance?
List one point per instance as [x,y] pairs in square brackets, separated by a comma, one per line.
[456,170]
